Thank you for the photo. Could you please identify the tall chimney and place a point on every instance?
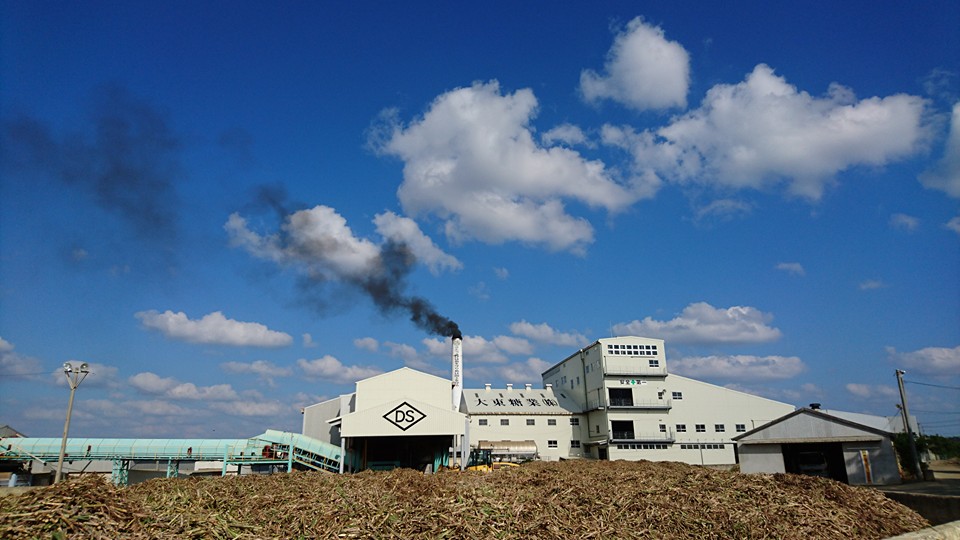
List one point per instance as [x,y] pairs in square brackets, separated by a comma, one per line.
[456,382]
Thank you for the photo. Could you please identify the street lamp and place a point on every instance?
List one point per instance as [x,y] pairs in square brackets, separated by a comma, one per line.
[75,376]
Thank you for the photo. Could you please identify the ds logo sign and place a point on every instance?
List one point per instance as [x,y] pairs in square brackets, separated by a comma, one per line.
[404,416]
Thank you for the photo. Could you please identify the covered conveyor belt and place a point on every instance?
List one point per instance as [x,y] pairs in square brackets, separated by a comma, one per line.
[271,448]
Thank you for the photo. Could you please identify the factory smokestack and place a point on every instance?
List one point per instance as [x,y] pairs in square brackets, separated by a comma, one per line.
[457,368]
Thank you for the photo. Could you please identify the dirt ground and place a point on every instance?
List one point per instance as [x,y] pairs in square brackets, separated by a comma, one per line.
[539,500]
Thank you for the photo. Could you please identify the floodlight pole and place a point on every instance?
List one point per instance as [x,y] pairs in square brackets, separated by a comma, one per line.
[915,460]
[74,382]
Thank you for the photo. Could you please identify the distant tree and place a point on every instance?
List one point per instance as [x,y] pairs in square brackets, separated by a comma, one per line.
[943,447]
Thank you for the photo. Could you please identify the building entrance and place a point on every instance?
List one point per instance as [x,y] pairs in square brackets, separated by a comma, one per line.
[410,452]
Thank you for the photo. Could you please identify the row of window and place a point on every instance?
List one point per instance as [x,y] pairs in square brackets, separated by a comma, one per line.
[642,446]
[632,350]
[702,428]
[705,446]
[530,421]
[574,421]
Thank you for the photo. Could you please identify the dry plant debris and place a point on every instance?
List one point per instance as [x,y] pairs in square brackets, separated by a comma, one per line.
[574,499]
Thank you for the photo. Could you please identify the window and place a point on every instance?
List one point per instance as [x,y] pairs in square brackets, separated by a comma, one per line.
[663,428]
[677,395]
[504,421]
[531,422]
[741,428]
[621,397]
[574,421]
[701,447]
[551,421]
[574,444]
[622,429]
[653,363]
[483,421]
[551,444]
[681,428]
[701,428]
[631,350]
[719,428]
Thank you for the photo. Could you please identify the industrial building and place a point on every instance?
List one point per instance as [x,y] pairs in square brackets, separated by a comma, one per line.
[614,399]
[810,441]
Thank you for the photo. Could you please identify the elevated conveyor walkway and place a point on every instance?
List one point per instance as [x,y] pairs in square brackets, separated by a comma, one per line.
[271,448]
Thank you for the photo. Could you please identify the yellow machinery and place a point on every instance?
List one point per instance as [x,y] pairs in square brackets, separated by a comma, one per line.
[481,459]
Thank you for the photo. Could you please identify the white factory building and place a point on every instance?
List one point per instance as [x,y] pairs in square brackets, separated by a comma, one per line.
[614,399]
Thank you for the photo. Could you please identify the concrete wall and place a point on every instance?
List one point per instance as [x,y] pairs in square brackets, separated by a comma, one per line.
[541,432]
[761,458]
[315,421]
[881,458]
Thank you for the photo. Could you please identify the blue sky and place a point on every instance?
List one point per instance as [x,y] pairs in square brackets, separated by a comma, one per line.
[229,209]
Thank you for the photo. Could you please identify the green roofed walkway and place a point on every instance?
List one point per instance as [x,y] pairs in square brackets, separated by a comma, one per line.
[271,448]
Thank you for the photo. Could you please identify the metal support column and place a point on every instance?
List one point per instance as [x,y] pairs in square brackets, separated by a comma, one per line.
[120,474]
[173,468]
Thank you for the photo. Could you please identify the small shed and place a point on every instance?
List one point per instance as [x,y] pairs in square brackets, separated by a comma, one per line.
[812,442]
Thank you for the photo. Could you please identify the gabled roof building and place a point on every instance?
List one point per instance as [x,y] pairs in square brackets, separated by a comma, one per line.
[614,399]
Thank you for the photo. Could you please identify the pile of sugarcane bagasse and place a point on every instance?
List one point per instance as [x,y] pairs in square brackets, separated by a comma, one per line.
[572,499]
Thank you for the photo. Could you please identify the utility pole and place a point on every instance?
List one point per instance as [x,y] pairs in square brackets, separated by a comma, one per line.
[905,413]
[78,375]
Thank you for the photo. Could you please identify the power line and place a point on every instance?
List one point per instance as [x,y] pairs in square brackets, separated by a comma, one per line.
[934,385]
[935,412]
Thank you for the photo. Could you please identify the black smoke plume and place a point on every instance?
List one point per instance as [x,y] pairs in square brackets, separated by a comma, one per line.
[386,288]
[127,161]
[385,282]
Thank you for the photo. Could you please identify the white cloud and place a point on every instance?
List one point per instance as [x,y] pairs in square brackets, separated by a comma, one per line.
[567,134]
[16,366]
[793,268]
[402,350]
[152,383]
[475,349]
[156,407]
[406,231]
[264,370]
[544,333]
[317,238]
[723,210]
[480,291]
[940,361]
[953,225]
[945,175]
[501,273]
[763,132]
[250,408]
[214,329]
[868,391]
[529,371]
[472,161]
[643,70]
[329,368]
[319,242]
[705,324]
[740,367]
[308,342]
[513,345]
[904,222]
[872,284]
[367,344]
